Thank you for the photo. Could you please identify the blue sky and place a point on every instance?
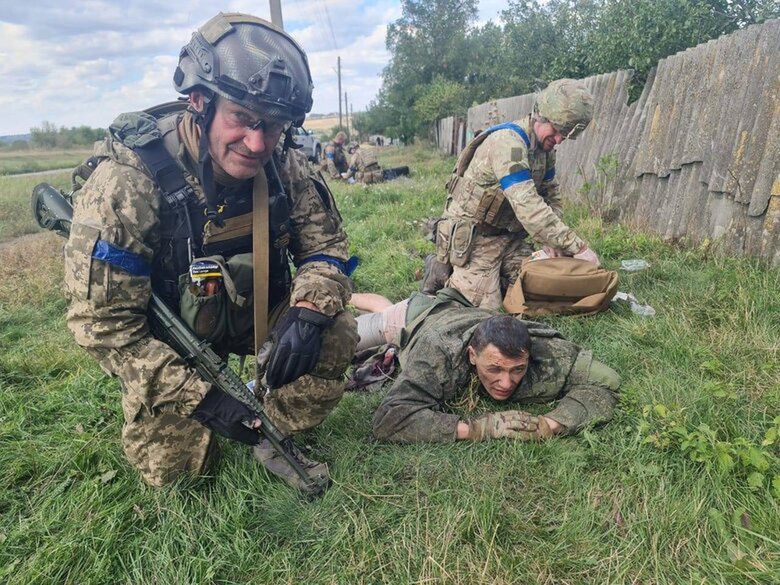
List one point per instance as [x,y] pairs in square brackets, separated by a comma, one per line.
[83,62]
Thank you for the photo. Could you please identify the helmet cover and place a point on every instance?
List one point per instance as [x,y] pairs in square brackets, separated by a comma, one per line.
[567,104]
[249,61]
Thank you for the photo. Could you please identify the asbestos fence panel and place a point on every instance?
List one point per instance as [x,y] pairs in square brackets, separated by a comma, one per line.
[696,156]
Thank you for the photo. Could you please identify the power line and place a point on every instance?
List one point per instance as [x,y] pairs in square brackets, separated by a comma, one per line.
[330,24]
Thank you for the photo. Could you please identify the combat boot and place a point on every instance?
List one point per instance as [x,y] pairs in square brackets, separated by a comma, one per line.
[278,465]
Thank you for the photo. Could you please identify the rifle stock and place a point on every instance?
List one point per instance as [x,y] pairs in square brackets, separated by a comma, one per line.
[53,210]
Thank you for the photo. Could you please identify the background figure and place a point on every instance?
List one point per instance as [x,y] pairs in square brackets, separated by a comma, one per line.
[503,189]
[335,161]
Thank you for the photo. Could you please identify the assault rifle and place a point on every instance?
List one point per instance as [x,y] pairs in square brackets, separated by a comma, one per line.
[53,210]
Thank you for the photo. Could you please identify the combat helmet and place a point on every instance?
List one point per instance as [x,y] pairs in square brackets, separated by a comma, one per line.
[249,61]
[567,104]
[352,147]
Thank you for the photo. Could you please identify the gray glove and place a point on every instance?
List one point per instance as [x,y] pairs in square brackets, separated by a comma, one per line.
[510,424]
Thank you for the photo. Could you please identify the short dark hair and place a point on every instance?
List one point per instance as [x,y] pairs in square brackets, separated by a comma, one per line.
[509,335]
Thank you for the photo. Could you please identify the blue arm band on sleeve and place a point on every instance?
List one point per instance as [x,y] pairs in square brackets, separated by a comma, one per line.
[330,155]
[515,128]
[127,261]
[347,267]
[515,178]
[549,175]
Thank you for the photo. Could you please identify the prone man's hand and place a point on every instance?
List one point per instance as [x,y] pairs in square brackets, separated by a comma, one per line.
[510,424]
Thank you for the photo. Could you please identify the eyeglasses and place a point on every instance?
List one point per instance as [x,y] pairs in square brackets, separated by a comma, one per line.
[238,119]
[569,133]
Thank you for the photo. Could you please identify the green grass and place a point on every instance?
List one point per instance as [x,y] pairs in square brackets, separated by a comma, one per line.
[15,215]
[624,503]
[29,161]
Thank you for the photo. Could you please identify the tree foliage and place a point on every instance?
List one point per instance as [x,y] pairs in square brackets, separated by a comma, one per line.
[49,136]
[442,61]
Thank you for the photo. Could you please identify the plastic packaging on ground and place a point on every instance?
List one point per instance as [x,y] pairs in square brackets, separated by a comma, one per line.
[634,265]
[636,307]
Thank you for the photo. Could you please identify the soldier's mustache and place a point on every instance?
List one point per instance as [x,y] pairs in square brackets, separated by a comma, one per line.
[244,151]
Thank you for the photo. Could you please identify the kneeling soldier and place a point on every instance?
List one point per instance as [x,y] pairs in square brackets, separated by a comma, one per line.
[170,208]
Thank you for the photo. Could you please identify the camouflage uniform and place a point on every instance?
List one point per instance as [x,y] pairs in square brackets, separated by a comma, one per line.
[364,166]
[120,208]
[335,160]
[435,372]
[507,192]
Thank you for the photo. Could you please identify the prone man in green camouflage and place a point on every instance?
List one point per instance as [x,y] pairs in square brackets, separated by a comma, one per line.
[453,353]
[504,189]
[178,185]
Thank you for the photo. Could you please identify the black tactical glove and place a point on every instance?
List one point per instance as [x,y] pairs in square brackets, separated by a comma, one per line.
[297,340]
[225,415]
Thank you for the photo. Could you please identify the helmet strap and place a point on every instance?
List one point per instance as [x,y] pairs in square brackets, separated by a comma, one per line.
[289,142]
[205,164]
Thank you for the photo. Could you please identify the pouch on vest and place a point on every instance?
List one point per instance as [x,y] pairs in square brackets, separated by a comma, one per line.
[443,235]
[240,314]
[462,242]
[562,286]
[212,316]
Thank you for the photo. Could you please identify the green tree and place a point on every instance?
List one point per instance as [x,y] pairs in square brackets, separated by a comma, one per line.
[441,98]
[429,41]
[44,136]
[441,62]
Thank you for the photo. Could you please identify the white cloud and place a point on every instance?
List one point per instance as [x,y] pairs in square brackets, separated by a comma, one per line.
[76,62]
[83,62]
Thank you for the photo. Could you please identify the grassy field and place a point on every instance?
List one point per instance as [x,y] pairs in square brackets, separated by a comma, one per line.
[15,162]
[677,489]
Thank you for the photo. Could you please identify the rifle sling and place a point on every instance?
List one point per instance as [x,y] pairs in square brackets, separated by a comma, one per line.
[260,259]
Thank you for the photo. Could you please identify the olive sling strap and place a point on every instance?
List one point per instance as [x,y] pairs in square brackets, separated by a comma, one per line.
[260,221]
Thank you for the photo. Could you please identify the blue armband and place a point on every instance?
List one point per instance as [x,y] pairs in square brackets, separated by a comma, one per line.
[128,261]
[347,267]
[549,175]
[515,178]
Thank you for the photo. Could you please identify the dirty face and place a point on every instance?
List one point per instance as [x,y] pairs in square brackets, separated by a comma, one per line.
[499,375]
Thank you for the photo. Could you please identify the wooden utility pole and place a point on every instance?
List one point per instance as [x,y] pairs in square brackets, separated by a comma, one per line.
[276,13]
[346,111]
[339,62]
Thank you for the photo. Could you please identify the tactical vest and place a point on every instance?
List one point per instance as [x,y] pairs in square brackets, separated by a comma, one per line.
[185,233]
[336,154]
[366,167]
[484,205]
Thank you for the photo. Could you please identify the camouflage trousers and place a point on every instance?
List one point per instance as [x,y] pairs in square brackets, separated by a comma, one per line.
[163,445]
[493,265]
[369,176]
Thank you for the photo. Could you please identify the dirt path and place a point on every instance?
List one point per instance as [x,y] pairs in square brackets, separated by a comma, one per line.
[25,240]
[34,173]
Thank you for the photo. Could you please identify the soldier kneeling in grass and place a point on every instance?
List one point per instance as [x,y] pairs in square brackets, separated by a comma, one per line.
[448,348]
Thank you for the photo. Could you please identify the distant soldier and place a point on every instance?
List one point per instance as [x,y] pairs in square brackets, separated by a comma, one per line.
[335,159]
[452,352]
[503,189]
[363,165]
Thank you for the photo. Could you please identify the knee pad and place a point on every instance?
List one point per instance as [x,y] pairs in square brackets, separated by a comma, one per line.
[338,347]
